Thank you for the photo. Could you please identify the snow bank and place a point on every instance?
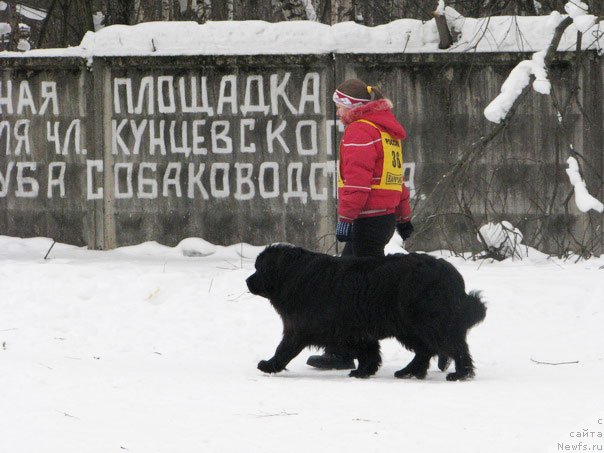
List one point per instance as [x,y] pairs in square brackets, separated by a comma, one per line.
[503,238]
[494,34]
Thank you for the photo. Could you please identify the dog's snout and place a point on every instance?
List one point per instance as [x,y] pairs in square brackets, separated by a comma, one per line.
[250,282]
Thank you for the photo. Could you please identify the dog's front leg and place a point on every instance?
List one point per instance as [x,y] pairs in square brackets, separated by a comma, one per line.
[290,347]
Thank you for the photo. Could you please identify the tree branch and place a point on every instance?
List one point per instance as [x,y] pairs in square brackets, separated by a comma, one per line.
[460,167]
[445,38]
[553,363]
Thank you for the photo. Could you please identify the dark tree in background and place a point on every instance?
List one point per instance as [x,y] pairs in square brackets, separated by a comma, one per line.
[66,23]
[53,23]
[10,42]
[119,12]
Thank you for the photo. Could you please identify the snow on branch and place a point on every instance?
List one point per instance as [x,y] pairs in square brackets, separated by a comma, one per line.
[5,27]
[578,11]
[502,240]
[311,14]
[440,8]
[518,79]
[583,199]
[501,107]
[515,86]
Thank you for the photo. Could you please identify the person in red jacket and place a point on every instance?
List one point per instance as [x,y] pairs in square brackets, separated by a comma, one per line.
[372,198]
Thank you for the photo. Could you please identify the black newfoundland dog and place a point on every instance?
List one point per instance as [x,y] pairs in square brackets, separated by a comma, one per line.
[349,304]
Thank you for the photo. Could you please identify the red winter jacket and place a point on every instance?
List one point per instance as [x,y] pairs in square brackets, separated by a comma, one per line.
[361,163]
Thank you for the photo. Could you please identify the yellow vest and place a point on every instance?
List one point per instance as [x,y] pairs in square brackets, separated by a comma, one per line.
[392,169]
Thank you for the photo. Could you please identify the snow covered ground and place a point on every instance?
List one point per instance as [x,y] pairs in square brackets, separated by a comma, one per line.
[144,349]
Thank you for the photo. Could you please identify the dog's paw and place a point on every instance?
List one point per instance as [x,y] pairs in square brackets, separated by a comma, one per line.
[408,374]
[444,362]
[267,366]
[460,376]
[359,374]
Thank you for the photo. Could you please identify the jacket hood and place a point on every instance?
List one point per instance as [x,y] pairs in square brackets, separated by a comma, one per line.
[378,112]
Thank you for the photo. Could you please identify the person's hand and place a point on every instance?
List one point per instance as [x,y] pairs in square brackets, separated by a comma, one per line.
[404,229]
[344,231]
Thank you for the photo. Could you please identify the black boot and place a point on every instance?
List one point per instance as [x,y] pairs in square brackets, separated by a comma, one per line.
[332,361]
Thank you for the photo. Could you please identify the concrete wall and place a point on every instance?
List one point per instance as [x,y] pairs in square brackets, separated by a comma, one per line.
[45,132]
[243,148]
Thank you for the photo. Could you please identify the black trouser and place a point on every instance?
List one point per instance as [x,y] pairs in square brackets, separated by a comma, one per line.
[370,235]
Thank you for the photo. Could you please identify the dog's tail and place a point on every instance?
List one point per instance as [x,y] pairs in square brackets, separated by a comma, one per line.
[475,310]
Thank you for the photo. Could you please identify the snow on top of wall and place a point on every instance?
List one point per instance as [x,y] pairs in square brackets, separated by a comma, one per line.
[494,34]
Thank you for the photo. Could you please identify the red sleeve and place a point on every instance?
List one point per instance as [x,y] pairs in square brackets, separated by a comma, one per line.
[403,210]
[358,155]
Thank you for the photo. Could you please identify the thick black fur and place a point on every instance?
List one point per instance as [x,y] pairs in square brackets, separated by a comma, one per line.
[349,304]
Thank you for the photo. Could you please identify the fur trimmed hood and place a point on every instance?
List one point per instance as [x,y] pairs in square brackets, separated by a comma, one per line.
[378,112]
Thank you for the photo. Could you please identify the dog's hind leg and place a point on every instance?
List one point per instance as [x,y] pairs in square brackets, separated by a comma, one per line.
[464,366]
[368,355]
[290,347]
[418,367]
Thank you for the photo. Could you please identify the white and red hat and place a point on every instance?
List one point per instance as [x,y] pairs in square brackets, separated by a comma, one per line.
[348,101]
[352,93]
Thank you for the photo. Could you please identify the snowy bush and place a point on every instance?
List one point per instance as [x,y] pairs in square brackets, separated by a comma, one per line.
[501,240]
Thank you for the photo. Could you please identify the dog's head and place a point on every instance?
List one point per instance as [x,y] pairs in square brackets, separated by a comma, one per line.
[270,265]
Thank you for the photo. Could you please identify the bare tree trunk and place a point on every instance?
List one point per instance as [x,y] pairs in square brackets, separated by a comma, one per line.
[347,10]
[230,10]
[335,4]
[203,10]
[64,22]
[13,21]
[80,17]
[45,24]
[342,10]
[359,17]
[167,10]
[119,12]
[138,12]
[446,40]
[322,10]
[88,21]
[311,13]
[292,9]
